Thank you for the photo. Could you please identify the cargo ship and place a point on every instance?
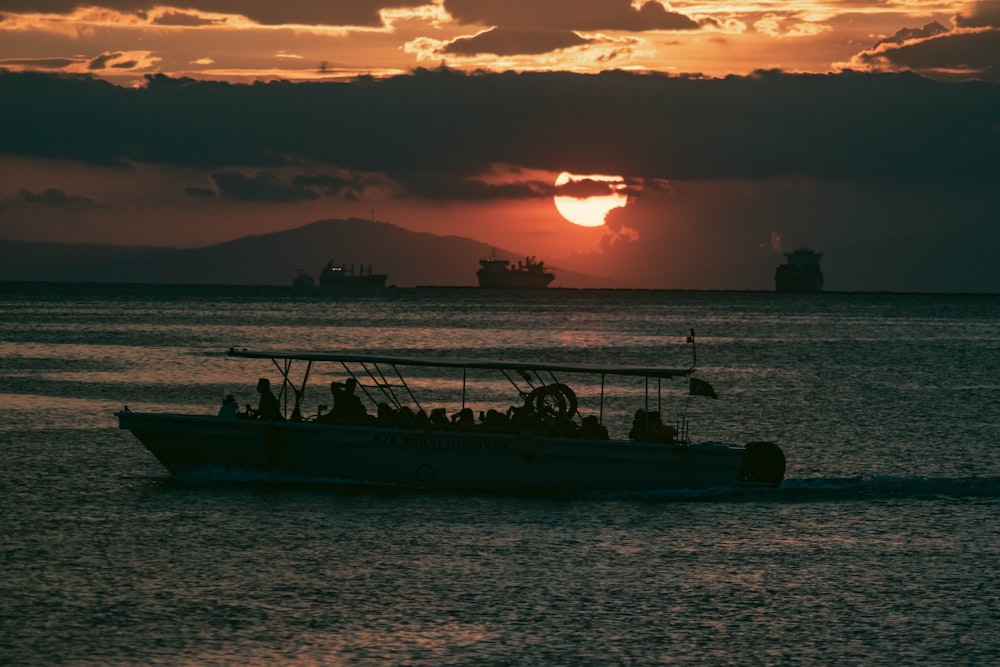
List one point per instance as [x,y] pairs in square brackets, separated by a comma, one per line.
[801,272]
[496,272]
[339,276]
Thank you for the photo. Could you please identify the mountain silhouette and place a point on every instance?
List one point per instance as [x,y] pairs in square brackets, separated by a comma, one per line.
[409,258]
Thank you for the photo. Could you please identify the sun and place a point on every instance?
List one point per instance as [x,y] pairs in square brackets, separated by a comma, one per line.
[585,199]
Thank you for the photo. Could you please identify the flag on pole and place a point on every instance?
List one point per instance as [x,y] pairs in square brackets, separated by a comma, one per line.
[702,388]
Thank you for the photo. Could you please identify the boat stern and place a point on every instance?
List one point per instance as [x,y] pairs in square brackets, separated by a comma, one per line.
[763,465]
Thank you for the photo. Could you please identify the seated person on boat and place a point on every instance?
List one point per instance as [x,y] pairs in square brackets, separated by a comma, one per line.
[647,427]
[347,405]
[269,408]
[592,428]
[229,409]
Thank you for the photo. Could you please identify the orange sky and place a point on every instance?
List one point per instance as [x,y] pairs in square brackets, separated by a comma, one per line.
[725,175]
[307,39]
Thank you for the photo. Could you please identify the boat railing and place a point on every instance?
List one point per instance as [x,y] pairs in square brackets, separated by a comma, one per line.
[545,403]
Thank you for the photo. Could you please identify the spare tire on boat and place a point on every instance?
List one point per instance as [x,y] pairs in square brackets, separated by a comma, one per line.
[552,400]
[763,464]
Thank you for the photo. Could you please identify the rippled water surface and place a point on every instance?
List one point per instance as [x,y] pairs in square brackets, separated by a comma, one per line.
[881,547]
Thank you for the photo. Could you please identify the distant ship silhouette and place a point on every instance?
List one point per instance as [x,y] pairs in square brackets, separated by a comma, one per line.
[496,272]
[800,272]
[339,276]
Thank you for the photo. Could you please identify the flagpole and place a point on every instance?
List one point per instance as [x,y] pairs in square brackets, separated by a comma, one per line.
[694,351]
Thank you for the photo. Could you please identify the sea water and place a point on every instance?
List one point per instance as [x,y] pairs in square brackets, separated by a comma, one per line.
[881,547]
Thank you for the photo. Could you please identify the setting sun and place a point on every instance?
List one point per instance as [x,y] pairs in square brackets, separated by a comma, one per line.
[586,199]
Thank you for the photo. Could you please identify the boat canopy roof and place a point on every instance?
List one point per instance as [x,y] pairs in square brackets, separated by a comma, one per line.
[444,362]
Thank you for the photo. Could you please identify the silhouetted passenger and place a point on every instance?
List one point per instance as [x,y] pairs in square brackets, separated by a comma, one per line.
[337,390]
[229,408]
[640,424]
[386,415]
[495,420]
[464,419]
[346,405]
[406,417]
[269,408]
[667,433]
[352,406]
[647,427]
[439,417]
[518,417]
[592,428]
[561,425]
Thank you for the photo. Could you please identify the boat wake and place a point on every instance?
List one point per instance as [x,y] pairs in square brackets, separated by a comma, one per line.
[836,489]
[850,488]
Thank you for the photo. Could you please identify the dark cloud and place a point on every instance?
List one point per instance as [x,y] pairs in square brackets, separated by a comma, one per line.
[449,187]
[184,19]
[897,128]
[957,55]
[906,34]
[349,186]
[38,63]
[586,187]
[568,15]
[262,186]
[307,12]
[111,60]
[972,51]
[509,42]
[199,191]
[635,187]
[982,15]
[50,197]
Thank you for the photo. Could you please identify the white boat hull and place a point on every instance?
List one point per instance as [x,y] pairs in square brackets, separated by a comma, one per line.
[446,459]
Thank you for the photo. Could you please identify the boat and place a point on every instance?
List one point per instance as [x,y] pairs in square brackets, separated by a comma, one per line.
[801,272]
[496,272]
[385,435]
[340,276]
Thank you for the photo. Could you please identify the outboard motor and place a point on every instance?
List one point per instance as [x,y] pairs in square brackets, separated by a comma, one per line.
[763,464]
